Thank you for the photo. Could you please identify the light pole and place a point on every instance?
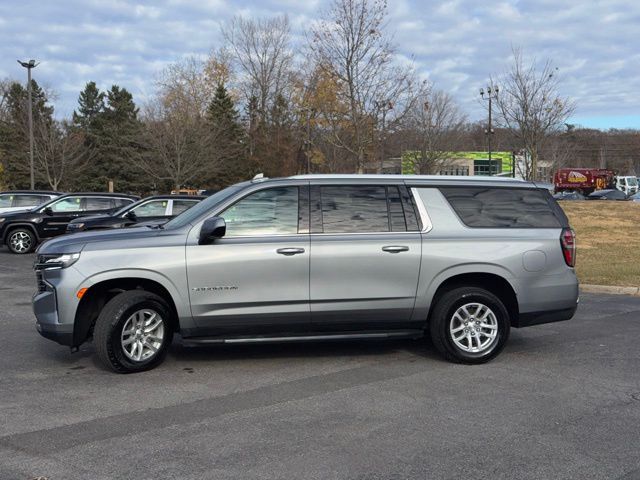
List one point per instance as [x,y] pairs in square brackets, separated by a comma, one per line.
[30,65]
[490,94]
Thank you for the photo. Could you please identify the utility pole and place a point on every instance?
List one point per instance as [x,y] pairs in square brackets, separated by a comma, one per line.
[30,65]
[384,106]
[490,94]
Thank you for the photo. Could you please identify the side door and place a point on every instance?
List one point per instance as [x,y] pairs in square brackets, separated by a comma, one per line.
[59,214]
[366,253]
[255,279]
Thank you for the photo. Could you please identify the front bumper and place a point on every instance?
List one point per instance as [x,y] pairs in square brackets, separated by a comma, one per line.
[58,333]
[55,303]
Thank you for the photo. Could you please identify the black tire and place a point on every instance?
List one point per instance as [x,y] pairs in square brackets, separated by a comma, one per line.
[441,320]
[26,244]
[111,321]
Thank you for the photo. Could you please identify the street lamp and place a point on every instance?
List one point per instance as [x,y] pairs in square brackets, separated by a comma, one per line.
[490,94]
[29,66]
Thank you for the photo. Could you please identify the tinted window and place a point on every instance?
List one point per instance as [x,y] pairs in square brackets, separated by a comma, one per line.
[97,203]
[501,207]
[6,200]
[68,204]
[396,212]
[153,208]
[354,209]
[28,200]
[121,202]
[267,212]
[180,206]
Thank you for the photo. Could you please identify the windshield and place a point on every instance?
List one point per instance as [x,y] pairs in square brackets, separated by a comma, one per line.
[194,212]
[632,181]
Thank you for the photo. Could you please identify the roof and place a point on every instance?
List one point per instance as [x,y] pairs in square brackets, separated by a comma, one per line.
[102,194]
[174,197]
[431,179]
[33,192]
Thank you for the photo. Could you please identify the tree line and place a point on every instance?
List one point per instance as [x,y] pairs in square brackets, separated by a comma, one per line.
[345,104]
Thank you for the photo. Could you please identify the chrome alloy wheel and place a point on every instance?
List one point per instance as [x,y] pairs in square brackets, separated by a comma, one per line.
[142,335]
[474,328]
[20,242]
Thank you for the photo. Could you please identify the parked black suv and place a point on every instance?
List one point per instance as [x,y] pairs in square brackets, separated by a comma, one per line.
[22,231]
[157,210]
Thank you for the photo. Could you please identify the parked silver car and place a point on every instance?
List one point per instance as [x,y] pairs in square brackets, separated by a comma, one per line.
[460,259]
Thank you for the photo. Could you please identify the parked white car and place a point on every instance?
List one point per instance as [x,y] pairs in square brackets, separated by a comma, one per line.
[24,199]
[627,184]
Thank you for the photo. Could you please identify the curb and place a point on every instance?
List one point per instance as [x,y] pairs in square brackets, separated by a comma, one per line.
[610,289]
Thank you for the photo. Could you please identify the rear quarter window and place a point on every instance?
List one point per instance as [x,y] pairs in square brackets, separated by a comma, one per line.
[493,207]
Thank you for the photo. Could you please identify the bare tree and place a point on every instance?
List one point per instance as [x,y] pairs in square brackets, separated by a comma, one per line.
[350,44]
[437,125]
[60,151]
[530,106]
[262,53]
[176,144]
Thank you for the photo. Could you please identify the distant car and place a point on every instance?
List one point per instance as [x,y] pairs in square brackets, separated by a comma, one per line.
[23,231]
[568,196]
[607,195]
[157,209]
[18,200]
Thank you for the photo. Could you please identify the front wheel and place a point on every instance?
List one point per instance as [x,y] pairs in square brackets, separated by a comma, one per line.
[21,241]
[469,325]
[133,332]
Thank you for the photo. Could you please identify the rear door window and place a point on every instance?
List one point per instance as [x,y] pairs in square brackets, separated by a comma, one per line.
[180,206]
[494,207]
[28,200]
[355,209]
[98,203]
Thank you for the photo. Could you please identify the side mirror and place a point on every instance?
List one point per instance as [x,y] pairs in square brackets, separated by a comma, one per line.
[131,215]
[48,211]
[212,229]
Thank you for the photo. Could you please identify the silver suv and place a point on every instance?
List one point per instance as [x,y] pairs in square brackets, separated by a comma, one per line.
[459,259]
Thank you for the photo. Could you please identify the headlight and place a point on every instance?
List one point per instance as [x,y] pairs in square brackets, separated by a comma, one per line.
[2,219]
[56,261]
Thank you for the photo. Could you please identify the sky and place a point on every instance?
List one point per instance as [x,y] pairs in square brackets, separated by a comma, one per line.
[456,44]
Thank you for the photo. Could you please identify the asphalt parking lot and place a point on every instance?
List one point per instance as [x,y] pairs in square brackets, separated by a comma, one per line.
[562,401]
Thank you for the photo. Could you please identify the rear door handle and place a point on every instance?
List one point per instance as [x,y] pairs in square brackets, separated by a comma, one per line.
[290,251]
[395,249]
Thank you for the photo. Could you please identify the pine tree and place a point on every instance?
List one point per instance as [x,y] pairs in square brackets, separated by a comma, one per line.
[90,107]
[14,133]
[110,121]
[229,140]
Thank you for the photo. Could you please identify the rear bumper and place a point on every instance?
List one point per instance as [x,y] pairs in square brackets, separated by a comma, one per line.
[537,318]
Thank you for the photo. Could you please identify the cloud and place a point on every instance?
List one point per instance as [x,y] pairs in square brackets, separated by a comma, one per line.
[457,44]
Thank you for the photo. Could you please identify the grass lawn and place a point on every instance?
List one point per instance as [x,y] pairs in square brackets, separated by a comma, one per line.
[608,236]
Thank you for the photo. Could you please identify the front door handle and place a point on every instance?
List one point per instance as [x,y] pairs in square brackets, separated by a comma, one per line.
[395,249]
[290,251]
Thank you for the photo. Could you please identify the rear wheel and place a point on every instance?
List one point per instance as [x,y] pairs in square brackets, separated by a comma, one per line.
[21,240]
[469,325]
[133,332]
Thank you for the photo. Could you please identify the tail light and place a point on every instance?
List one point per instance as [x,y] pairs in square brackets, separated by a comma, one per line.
[568,244]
